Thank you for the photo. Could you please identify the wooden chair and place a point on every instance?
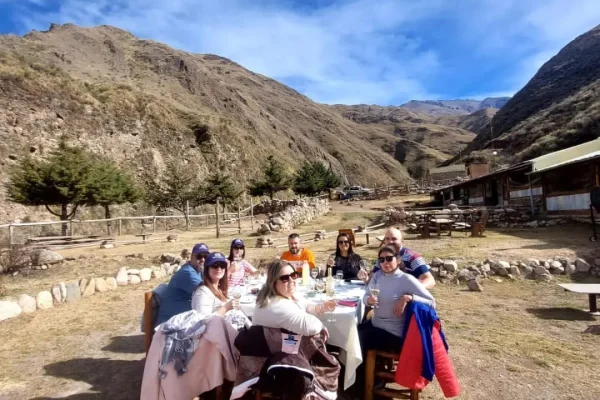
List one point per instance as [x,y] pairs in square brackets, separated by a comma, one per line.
[150,303]
[477,228]
[382,365]
[350,233]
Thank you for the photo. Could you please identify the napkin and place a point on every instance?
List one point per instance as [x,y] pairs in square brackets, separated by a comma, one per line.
[348,303]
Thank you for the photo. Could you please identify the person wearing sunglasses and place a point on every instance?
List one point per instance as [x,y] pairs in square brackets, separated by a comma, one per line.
[395,289]
[177,297]
[346,260]
[238,266]
[410,261]
[277,307]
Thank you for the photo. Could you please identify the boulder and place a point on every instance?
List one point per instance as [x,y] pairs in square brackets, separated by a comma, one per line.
[47,257]
[533,224]
[533,262]
[145,274]
[133,271]
[101,285]
[474,285]
[485,268]
[557,271]
[437,262]
[122,277]
[59,293]
[89,287]
[43,300]
[514,270]
[450,266]
[539,270]
[582,265]
[111,283]
[465,275]
[543,277]
[555,264]
[277,221]
[171,238]
[169,258]
[134,279]
[159,273]
[185,254]
[527,270]
[27,303]
[9,309]
[570,269]
[73,292]
[106,245]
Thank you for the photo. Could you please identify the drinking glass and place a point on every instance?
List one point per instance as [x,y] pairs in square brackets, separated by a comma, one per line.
[364,264]
[237,294]
[313,274]
[329,308]
[374,290]
[339,275]
[320,285]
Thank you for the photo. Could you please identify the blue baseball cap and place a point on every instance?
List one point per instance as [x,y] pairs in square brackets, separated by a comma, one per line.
[237,243]
[214,258]
[200,248]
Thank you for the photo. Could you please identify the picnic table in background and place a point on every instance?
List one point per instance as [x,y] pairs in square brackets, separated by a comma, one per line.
[438,221]
[591,289]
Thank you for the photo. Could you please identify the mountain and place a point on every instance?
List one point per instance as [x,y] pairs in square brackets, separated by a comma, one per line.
[420,143]
[477,122]
[440,108]
[558,108]
[142,103]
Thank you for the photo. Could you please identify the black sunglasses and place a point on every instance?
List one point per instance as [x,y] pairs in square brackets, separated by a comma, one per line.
[343,242]
[201,256]
[238,248]
[286,278]
[386,258]
[219,266]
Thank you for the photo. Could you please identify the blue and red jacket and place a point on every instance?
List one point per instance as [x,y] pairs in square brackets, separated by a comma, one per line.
[425,352]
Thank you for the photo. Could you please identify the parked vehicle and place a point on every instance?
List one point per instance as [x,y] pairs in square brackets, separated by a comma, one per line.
[356,191]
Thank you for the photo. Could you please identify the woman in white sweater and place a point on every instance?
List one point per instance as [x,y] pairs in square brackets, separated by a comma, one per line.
[277,307]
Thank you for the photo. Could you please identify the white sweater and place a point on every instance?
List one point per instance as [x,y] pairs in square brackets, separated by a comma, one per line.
[204,301]
[282,313]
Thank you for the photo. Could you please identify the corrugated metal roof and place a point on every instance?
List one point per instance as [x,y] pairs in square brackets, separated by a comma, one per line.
[565,156]
[584,157]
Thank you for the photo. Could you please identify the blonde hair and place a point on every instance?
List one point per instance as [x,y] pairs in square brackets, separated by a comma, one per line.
[267,292]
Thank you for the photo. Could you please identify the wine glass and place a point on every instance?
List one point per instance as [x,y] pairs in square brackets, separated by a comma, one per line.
[313,274]
[320,286]
[364,264]
[339,276]
[237,294]
[329,306]
[374,290]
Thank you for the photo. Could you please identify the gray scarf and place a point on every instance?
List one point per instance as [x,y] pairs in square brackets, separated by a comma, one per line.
[181,333]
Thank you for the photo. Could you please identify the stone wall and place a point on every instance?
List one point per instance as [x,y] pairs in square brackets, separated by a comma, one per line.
[297,213]
[274,206]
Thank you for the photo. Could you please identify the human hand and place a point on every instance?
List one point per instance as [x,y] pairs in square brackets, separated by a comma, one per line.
[329,305]
[401,304]
[372,300]
[324,334]
[229,305]
[330,261]
[362,275]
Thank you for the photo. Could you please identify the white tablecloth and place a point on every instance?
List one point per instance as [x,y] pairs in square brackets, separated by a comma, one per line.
[342,329]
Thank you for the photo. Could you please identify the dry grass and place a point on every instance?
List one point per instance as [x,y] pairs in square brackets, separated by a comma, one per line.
[518,340]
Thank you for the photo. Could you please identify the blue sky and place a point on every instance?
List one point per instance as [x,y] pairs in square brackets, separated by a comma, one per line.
[355,51]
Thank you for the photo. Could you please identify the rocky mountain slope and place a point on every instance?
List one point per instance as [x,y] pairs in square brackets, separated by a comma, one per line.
[143,103]
[439,108]
[558,108]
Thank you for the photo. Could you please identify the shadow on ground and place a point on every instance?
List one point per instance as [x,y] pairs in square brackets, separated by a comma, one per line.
[561,313]
[126,344]
[110,379]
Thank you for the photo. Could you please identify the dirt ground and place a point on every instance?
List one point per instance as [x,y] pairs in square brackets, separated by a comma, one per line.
[515,340]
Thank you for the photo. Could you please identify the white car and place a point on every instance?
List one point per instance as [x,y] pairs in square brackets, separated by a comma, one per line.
[357,191]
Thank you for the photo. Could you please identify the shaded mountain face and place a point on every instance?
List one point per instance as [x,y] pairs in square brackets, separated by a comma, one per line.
[558,108]
[438,108]
[142,103]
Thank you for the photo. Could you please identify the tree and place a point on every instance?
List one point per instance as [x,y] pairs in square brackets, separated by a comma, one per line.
[179,188]
[111,185]
[314,178]
[60,181]
[275,179]
[220,186]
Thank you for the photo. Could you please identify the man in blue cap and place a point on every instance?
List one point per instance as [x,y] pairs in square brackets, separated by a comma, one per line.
[177,296]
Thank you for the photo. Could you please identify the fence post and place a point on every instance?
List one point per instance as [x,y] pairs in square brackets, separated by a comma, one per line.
[71,228]
[10,234]
[251,215]
[119,227]
[239,220]
[217,217]
[206,220]
[154,224]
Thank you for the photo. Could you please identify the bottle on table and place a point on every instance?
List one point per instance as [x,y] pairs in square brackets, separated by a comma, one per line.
[305,273]
[329,285]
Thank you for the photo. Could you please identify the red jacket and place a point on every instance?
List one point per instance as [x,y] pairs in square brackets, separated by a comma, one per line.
[410,365]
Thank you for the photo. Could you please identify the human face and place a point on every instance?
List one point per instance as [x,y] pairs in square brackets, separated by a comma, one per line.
[216,272]
[294,245]
[388,261]
[197,261]
[343,244]
[286,282]
[238,252]
[393,237]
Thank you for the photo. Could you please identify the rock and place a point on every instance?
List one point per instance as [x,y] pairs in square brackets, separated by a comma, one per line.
[450,266]
[83,282]
[133,271]
[533,262]
[533,224]
[570,269]
[539,270]
[111,283]
[43,300]
[543,277]
[437,262]
[485,268]
[527,270]
[122,277]
[59,293]
[557,271]
[106,245]
[73,292]
[185,254]
[134,279]
[171,269]
[159,273]
[582,265]
[264,229]
[514,270]
[465,275]
[9,309]
[277,221]
[171,238]
[145,274]
[597,262]
[101,285]
[47,257]
[498,280]
[168,258]
[27,303]
[89,286]
[44,266]
[474,285]
[503,264]
[555,264]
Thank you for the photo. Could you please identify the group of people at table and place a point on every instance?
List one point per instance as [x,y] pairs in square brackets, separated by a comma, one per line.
[205,283]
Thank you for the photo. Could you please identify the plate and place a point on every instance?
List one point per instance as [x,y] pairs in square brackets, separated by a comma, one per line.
[356,282]
[247,300]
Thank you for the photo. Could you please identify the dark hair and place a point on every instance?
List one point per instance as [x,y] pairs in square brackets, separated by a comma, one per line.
[223,282]
[387,249]
[230,258]
[293,236]
[338,253]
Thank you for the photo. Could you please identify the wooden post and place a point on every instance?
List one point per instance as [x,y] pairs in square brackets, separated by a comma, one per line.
[119,231]
[217,217]
[71,228]
[187,214]
[239,220]
[11,232]
[251,215]
[206,221]
[154,224]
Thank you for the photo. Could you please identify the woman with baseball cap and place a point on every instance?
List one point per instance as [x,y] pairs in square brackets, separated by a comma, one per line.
[238,267]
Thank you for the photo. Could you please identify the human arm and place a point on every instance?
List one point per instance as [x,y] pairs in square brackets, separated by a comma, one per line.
[286,314]
[368,298]
[422,272]
[188,279]
[427,280]
[203,301]
[249,268]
